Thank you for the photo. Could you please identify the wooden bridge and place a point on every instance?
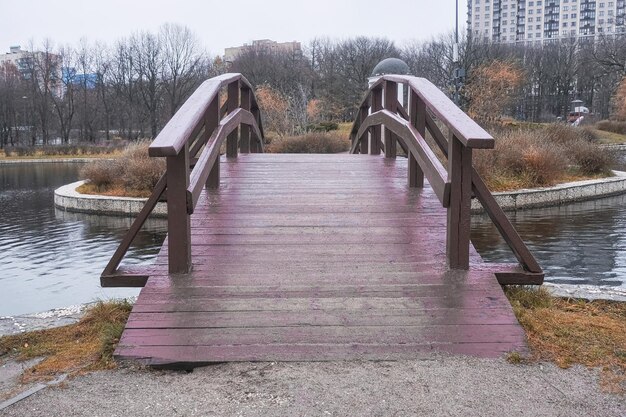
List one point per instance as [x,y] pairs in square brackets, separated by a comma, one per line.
[320,257]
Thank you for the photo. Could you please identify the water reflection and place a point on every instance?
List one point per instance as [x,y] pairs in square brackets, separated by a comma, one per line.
[580,243]
[52,258]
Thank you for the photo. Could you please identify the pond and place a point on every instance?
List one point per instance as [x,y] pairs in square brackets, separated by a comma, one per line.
[580,243]
[51,258]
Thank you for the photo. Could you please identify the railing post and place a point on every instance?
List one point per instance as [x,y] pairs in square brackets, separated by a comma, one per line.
[377,104]
[459,217]
[244,138]
[211,120]
[417,117]
[391,100]
[363,140]
[232,104]
[255,146]
[178,224]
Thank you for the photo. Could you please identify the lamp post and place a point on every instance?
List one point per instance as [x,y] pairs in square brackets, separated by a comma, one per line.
[455,57]
[24,98]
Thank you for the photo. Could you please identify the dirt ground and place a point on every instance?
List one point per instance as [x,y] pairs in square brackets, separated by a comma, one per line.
[434,386]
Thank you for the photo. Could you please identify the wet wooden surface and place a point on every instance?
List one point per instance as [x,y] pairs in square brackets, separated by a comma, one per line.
[317,257]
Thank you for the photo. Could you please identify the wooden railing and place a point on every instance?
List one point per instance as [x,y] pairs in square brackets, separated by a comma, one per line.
[453,185]
[191,143]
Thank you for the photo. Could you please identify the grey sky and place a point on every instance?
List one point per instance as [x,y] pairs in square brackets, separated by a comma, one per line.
[220,24]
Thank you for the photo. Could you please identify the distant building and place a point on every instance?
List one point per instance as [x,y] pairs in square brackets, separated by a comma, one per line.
[26,62]
[72,76]
[537,21]
[262,45]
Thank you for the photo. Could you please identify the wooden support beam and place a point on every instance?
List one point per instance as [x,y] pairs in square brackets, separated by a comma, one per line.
[363,140]
[233,104]
[255,145]
[178,225]
[377,104]
[244,137]
[212,120]
[391,103]
[417,117]
[459,217]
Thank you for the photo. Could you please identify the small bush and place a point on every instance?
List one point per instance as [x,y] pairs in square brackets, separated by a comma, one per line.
[612,126]
[592,160]
[101,173]
[141,172]
[134,173]
[311,143]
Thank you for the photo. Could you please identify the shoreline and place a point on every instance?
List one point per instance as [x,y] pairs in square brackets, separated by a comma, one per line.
[10,161]
[66,198]
[569,192]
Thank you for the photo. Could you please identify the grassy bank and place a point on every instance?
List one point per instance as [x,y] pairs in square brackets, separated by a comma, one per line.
[541,156]
[61,151]
[85,346]
[573,331]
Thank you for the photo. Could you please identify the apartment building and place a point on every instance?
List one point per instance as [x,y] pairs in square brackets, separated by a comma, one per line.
[536,21]
[26,62]
[262,45]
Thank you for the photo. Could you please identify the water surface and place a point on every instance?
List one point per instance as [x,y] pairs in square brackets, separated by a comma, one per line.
[51,258]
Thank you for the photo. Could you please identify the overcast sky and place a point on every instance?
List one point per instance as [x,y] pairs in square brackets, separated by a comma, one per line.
[220,24]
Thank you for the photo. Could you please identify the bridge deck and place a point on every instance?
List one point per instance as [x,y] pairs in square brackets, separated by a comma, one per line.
[317,257]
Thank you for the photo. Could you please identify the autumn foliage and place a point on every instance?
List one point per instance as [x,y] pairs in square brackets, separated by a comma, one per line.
[492,88]
[275,108]
[619,102]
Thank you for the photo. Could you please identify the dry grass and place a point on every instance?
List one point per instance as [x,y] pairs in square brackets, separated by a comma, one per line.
[55,151]
[133,174]
[538,157]
[331,142]
[85,346]
[574,331]
[612,126]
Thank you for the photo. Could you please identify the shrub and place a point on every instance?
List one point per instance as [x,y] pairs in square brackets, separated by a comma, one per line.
[134,172]
[101,173]
[141,172]
[591,159]
[612,126]
[529,158]
[311,143]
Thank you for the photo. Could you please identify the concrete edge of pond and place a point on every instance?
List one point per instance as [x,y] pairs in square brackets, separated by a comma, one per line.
[559,194]
[68,199]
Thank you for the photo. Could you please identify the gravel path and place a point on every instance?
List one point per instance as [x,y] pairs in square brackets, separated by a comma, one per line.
[437,385]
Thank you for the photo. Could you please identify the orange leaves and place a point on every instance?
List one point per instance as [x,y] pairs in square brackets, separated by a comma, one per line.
[491,89]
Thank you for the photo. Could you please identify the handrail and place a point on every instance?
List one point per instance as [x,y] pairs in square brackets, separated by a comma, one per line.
[209,155]
[187,121]
[454,186]
[411,138]
[201,125]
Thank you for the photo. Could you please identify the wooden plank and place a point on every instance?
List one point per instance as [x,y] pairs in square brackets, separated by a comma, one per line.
[279,272]
[384,334]
[187,357]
